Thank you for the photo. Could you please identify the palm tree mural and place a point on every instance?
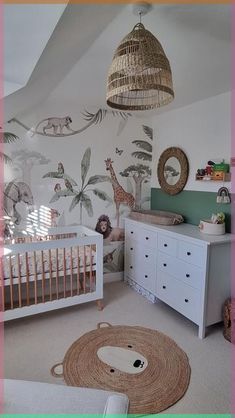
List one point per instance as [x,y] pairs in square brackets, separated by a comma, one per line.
[7,138]
[140,173]
[80,195]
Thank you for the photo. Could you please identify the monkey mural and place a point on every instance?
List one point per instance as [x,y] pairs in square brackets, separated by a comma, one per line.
[55,124]
[57,187]
[60,168]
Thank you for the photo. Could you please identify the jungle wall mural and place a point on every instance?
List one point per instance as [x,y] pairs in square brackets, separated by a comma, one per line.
[92,174]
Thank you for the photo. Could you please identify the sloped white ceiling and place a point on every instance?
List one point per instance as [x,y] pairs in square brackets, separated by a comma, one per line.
[27,29]
[74,64]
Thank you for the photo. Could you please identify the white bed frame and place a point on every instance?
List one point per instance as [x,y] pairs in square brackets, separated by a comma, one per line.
[13,288]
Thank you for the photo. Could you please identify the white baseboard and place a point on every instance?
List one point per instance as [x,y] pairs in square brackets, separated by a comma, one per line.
[113,277]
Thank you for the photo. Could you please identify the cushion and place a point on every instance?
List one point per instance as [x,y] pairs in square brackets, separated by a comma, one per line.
[157,217]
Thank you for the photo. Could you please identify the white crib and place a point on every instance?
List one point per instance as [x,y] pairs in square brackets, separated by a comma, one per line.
[61,269]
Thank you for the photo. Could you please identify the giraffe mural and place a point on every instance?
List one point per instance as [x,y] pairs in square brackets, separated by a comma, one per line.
[120,195]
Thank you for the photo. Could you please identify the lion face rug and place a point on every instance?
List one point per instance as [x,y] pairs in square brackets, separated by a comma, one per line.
[146,365]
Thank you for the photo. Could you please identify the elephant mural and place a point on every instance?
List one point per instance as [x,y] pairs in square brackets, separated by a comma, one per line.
[14,193]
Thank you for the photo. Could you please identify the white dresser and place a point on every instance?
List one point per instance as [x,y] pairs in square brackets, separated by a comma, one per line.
[180,266]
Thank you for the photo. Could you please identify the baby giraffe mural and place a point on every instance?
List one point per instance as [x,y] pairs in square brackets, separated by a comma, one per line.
[120,195]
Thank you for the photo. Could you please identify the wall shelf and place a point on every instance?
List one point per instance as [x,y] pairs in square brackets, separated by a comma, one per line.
[226,177]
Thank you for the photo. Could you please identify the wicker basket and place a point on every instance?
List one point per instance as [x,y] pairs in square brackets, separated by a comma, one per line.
[229,320]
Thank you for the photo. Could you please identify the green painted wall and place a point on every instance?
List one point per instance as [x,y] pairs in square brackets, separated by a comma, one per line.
[193,205]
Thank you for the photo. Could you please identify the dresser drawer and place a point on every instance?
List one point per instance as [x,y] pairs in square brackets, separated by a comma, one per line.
[192,253]
[130,259]
[130,246]
[147,257]
[130,268]
[131,232]
[148,238]
[167,244]
[146,278]
[179,296]
[185,272]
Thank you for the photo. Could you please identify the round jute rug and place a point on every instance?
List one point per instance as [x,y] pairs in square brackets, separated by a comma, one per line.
[146,365]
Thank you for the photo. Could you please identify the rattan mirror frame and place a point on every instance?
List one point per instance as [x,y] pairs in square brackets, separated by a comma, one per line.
[184,166]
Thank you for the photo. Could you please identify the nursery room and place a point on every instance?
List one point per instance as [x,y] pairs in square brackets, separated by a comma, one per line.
[116,264]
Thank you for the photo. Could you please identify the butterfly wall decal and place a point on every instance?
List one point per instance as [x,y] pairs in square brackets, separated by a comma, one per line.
[119,151]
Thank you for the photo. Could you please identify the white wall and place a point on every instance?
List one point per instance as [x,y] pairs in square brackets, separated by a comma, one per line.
[103,139]
[202,130]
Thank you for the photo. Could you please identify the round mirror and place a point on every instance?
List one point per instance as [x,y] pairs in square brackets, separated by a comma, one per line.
[172,170]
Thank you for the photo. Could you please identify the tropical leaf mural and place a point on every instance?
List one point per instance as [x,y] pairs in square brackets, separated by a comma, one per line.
[56,175]
[140,173]
[7,138]
[62,193]
[146,146]
[143,145]
[85,164]
[142,155]
[102,195]
[80,195]
[97,179]
[148,131]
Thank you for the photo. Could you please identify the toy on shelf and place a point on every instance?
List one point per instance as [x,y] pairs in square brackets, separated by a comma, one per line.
[214,171]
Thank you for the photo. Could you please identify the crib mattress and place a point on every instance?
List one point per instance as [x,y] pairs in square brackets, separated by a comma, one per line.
[56,260]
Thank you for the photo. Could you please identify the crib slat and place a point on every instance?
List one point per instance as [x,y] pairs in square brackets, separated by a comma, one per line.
[50,272]
[78,272]
[11,283]
[64,279]
[84,270]
[35,278]
[71,271]
[90,268]
[19,281]
[27,277]
[43,277]
[2,286]
[57,275]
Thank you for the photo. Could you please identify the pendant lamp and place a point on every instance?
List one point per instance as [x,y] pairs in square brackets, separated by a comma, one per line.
[139,77]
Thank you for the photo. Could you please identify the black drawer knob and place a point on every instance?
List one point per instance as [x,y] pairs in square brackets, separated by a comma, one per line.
[188,253]
[132,232]
[131,248]
[147,238]
[165,245]
[131,267]
[186,300]
[146,276]
[164,287]
[187,275]
[164,264]
[146,255]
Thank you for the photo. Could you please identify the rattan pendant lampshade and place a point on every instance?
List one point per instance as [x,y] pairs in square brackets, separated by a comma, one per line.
[139,77]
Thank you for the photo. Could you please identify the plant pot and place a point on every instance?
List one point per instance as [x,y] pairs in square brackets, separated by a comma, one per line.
[207,227]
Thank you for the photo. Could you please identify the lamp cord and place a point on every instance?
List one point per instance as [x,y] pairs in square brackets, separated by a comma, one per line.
[140,13]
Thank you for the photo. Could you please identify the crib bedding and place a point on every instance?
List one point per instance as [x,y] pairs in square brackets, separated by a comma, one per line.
[58,259]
